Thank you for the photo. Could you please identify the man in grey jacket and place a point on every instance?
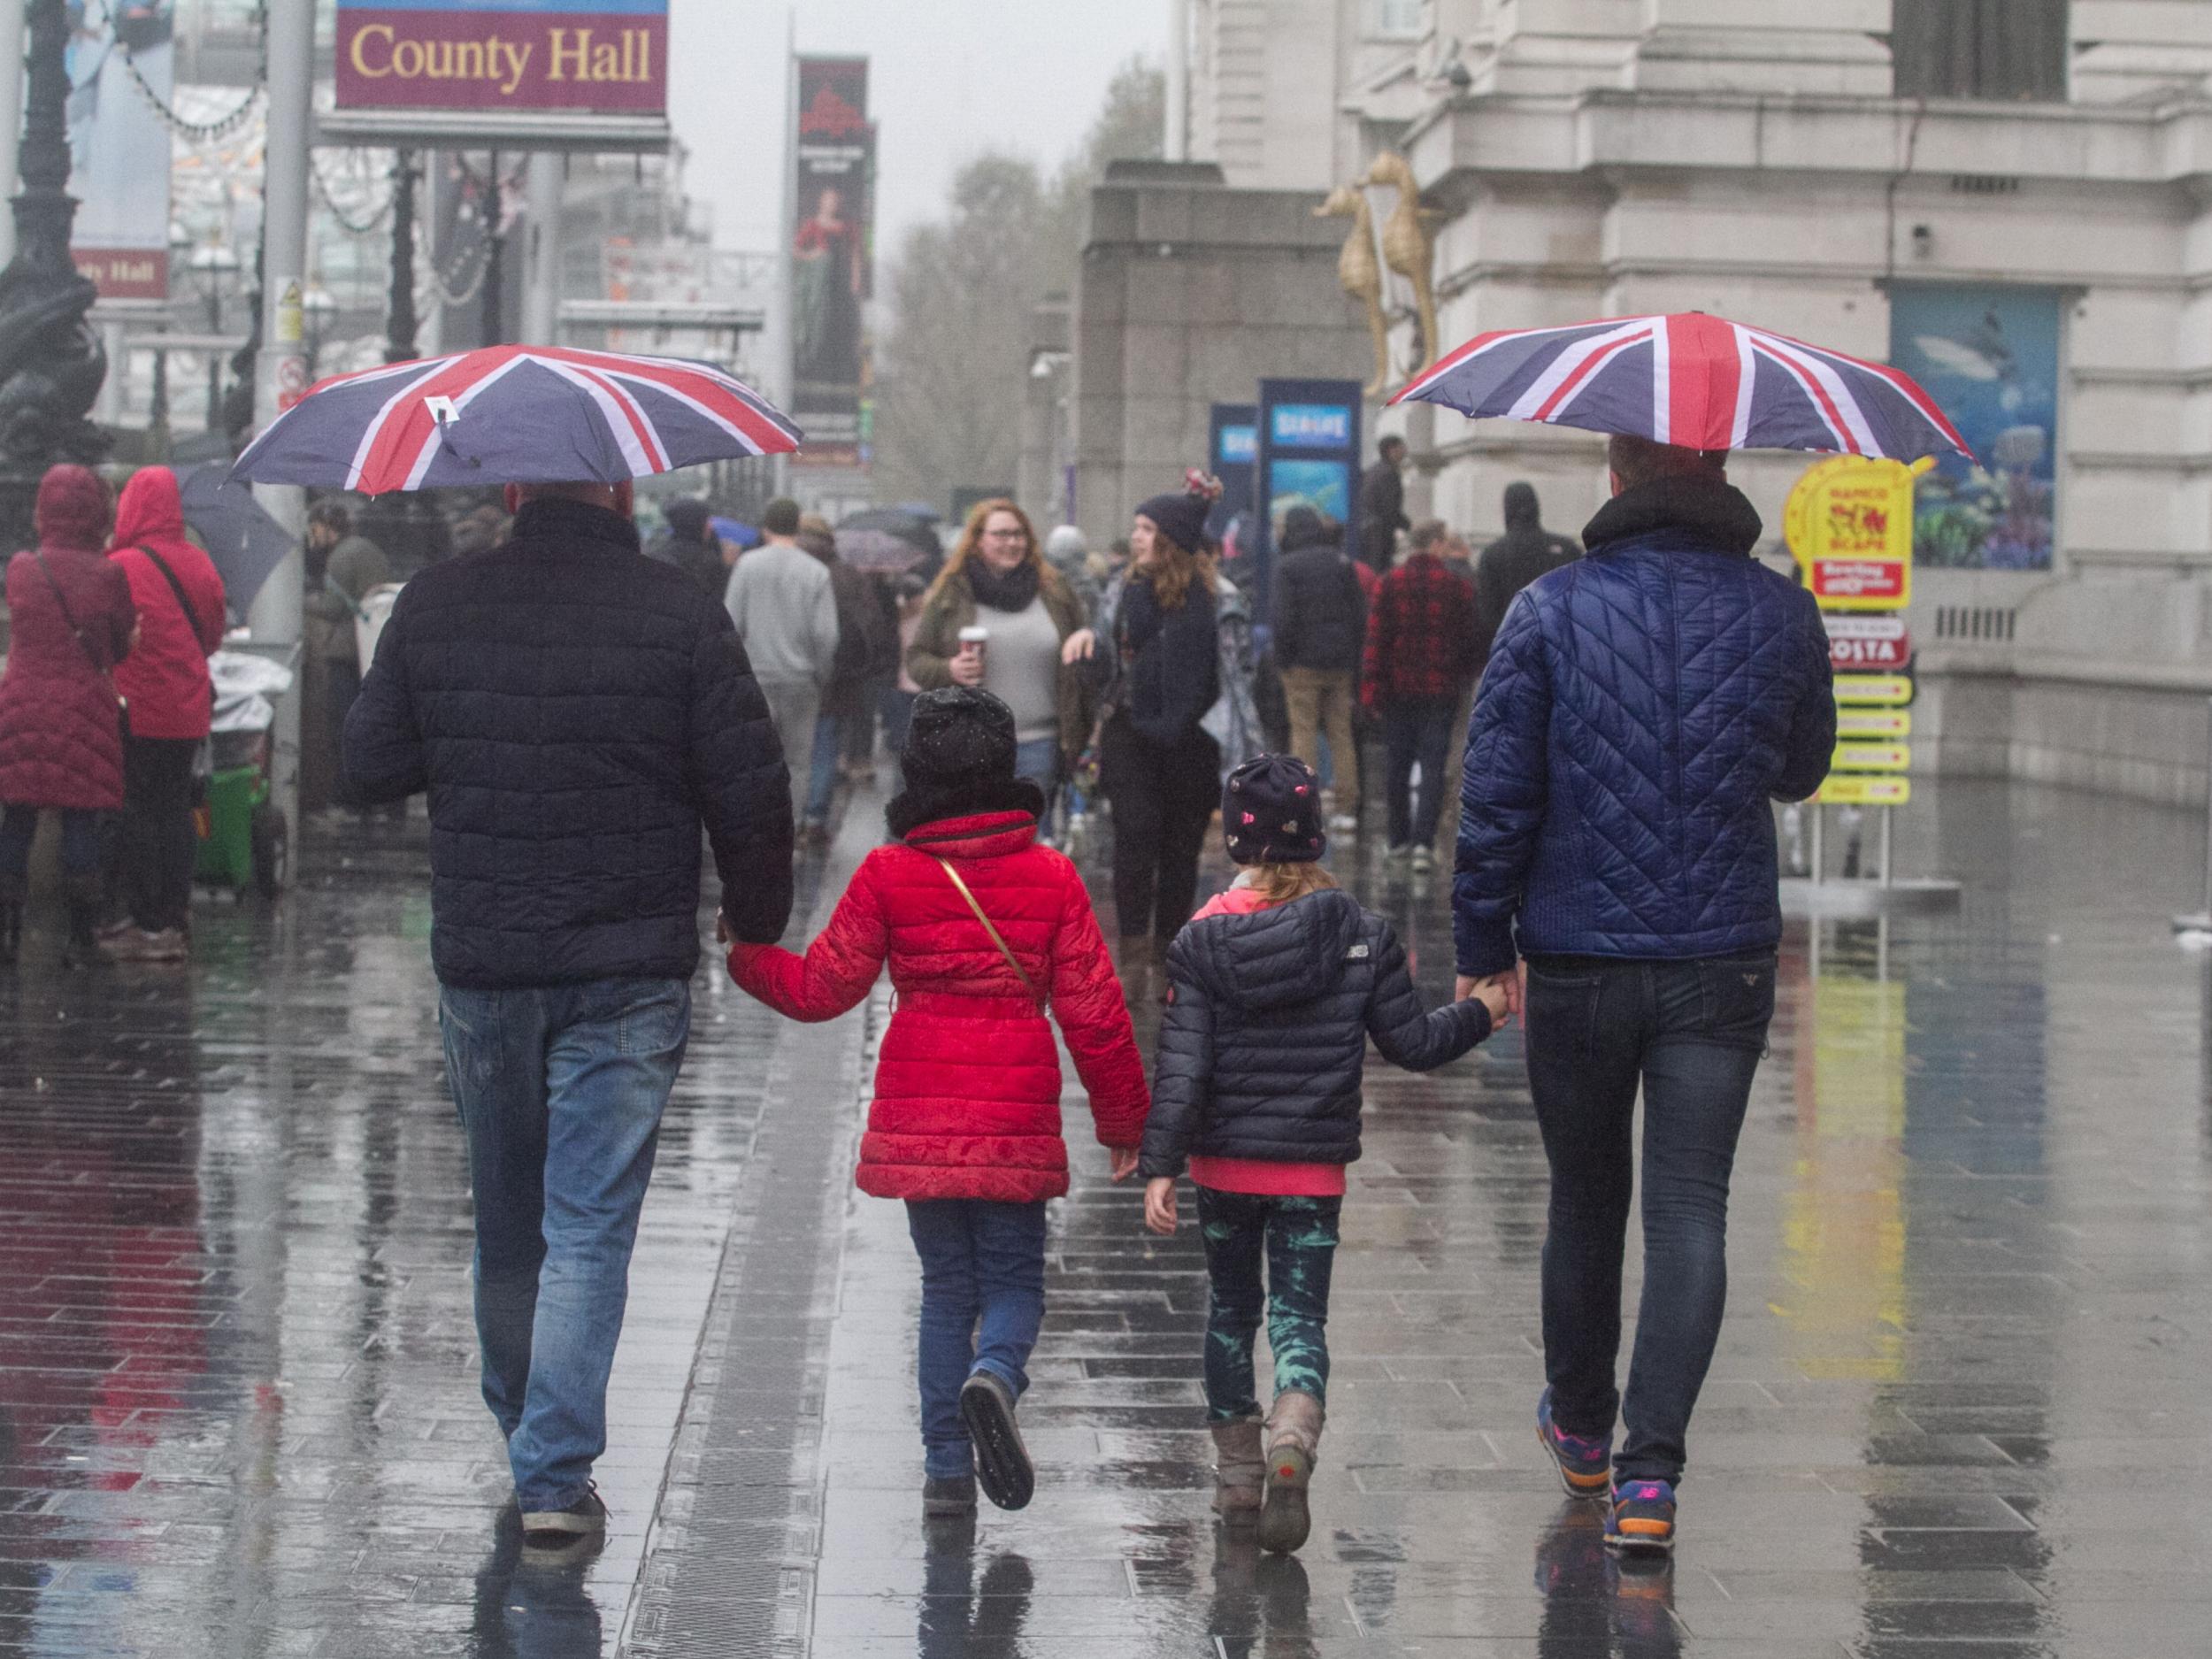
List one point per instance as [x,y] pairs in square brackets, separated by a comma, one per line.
[785,606]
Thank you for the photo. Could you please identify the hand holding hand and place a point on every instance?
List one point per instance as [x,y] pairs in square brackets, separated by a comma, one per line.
[1122,1161]
[722,931]
[1159,1205]
[1501,993]
[1079,647]
[966,669]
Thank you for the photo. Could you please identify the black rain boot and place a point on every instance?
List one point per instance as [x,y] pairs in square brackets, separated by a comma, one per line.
[84,897]
[10,920]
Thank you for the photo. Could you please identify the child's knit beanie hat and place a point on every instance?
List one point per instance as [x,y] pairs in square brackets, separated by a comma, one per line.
[1270,812]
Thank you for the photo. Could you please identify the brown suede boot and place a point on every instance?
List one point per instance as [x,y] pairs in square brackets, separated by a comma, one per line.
[1294,1439]
[1239,1470]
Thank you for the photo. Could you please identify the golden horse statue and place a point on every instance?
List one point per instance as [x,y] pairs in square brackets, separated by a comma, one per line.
[1408,243]
[1360,274]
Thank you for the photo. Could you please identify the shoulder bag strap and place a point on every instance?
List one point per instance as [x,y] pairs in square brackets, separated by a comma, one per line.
[998,939]
[68,617]
[175,586]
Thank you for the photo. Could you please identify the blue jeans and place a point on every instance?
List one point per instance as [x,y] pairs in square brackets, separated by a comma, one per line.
[1297,1237]
[1419,729]
[1038,759]
[560,1090]
[79,842]
[829,730]
[1690,1034]
[982,1263]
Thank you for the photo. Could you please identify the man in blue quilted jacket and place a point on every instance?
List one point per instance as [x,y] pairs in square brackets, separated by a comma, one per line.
[1642,708]
[578,712]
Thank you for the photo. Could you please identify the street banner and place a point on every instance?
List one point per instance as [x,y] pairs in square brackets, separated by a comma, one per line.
[607,57]
[1861,789]
[1309,457]
[122,66]
[1990,355]
[1235,447]
[832,250]
[1848,523]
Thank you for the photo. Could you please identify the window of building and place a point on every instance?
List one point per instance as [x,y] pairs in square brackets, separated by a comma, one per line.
[1397,20]
[1979,49]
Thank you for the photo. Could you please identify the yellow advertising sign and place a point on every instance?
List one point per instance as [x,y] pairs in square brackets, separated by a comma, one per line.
[1848,523]
[1896,723]
[1861,789]
[1888,690]
[1873,757]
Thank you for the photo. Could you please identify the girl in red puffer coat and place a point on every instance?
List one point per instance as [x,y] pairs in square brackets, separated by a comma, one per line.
[984,930]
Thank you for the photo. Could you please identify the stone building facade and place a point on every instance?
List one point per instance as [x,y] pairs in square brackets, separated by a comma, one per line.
[1808,165]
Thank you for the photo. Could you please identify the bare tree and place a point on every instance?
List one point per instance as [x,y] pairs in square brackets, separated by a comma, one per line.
[949,375]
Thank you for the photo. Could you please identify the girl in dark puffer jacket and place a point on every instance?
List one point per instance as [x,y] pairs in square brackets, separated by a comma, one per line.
[1273,990]
[983,930]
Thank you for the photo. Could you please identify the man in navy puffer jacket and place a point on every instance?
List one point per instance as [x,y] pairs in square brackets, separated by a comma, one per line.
[1642,708]
[576,712]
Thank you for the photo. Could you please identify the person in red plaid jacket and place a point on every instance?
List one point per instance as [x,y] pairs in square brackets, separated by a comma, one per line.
[1421,647]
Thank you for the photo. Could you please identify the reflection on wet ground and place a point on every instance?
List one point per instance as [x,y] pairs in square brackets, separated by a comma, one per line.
[1958,1411]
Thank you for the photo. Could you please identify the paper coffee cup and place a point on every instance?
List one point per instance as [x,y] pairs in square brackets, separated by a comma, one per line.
[973,641]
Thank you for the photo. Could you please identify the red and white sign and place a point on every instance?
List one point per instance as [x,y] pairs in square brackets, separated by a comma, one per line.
[1859,582]
[291,380]
[1868,644]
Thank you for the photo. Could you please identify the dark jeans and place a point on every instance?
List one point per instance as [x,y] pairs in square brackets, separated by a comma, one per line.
[158,843]
[561,1091]
[983,1264]
[1419,729]
[341,684]
[1690,1034]
[821,788]
[1297,1237]
[79,842]
[1163,799]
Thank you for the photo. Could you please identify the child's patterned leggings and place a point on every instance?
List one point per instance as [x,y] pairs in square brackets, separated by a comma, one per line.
[1297,1237]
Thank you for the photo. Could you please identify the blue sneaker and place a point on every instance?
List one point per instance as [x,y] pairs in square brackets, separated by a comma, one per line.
[1643,1516]
[1585,1466]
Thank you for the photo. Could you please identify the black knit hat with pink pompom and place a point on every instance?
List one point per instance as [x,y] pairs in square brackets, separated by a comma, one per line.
[1180,516]
[1270,812]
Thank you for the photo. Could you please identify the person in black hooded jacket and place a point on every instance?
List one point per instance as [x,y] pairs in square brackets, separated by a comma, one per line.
[1320,636]
[1273,990]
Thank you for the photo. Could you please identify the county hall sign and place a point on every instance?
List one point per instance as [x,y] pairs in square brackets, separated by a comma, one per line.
[504,55]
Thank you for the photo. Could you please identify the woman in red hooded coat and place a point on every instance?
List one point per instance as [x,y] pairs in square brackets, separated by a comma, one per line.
[71,620]
[181,616]
[983,930]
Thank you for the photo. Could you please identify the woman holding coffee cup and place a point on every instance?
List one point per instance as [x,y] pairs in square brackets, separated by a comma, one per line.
[1000,618]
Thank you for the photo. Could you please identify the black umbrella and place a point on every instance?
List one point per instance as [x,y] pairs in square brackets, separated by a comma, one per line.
[243,542]
[875,533]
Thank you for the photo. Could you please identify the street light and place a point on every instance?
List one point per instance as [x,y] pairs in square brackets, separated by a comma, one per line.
[318,308]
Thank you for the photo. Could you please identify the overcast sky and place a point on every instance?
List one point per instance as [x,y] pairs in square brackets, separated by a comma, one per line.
[947,79]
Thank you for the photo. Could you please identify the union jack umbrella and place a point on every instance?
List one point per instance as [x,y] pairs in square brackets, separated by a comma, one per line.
[1701,381]
[515,415]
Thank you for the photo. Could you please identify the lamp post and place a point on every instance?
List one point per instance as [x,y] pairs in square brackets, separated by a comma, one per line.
[400,339]
[316,307]
[51,360]
[212,266]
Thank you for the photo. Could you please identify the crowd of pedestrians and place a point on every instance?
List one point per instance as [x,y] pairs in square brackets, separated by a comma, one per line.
[709,694]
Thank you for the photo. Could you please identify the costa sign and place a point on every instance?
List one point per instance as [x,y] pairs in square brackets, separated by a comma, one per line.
[608,56]
[1868,644]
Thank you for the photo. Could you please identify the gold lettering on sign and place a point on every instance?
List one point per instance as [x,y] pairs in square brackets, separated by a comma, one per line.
[360,55]
[580,54]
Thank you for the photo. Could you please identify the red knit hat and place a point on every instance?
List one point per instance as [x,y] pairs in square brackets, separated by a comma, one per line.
[72,509]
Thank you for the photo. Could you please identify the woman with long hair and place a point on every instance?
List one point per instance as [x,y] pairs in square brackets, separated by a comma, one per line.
[1159,767]
[997,582]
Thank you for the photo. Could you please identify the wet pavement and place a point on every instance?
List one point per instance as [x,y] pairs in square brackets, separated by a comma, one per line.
[1958,1411]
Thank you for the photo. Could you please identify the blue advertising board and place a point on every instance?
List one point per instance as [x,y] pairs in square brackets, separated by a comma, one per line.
[1235,448]
[1990,356]
[1309,457]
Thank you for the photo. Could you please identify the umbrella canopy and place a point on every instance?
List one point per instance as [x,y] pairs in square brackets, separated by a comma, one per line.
[515,415]
[1701,381]
[243,542]
[738,535]
[871,549]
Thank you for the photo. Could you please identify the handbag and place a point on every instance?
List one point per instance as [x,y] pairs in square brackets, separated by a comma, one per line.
[203,756]
[998,939]
[122,703]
